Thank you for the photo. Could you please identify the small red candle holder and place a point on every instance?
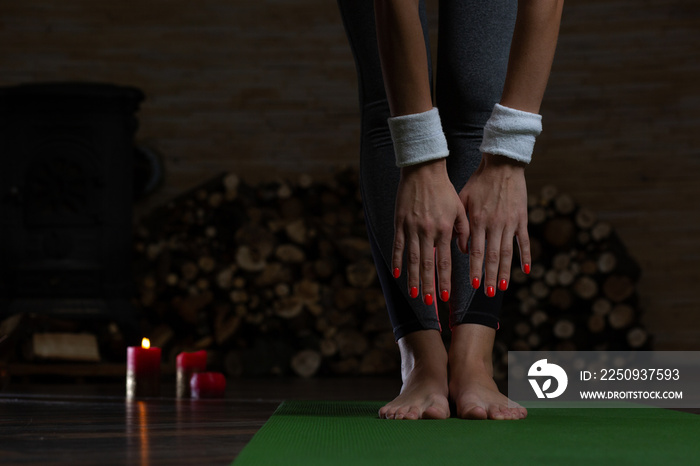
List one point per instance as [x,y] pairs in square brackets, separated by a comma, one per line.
[208,385]
[142,371]
[188,364]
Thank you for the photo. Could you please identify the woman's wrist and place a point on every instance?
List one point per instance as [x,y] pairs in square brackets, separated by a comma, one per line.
[433,167]
[496,160]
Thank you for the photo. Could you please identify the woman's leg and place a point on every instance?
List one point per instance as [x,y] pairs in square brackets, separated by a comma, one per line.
[473,48]
[416,326]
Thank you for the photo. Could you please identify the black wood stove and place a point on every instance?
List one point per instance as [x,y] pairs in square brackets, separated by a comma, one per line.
[66,200]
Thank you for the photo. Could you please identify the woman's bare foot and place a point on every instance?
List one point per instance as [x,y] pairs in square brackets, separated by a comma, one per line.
[424,373]
[472,387]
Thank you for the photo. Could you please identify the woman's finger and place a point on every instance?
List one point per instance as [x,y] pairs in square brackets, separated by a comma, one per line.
[413,256]
[397,255]
[476,255]
[524,246]
[427,268]
[492,261]
[461,229]
[505,260]
[444,266]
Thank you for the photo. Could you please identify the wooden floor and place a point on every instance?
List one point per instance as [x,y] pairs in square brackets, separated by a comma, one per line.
[93,424]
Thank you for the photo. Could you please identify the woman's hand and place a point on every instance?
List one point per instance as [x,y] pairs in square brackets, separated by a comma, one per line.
[495,198]
[427,212]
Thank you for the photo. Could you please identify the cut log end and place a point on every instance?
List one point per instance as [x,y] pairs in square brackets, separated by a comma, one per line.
[306,363]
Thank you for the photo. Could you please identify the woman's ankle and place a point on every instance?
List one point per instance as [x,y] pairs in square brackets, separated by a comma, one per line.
[423,350]
[472,347]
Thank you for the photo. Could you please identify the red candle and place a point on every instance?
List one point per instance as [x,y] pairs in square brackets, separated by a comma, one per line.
[188,364]
[208,385]
[142,370]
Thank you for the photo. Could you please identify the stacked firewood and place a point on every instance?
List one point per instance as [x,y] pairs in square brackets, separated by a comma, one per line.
[271,278]
[278,278]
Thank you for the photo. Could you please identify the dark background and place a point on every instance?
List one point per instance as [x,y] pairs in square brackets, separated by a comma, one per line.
[268,89]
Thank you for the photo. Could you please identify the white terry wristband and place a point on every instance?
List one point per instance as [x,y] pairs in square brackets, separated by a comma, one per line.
[418,138]
[511,133]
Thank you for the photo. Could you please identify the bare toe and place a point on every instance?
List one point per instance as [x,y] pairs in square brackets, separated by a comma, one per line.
[432,412]
[477,397]
[496,413]
[474,412]
[413,413]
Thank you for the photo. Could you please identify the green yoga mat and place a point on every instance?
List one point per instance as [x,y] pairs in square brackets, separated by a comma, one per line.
[349,433]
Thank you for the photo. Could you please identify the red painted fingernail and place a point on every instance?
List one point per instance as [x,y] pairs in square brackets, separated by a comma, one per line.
[526,268]
[490,291]
[503,285]
[414,292]
[428,299]
[475,282]
[445,295]
[397,272]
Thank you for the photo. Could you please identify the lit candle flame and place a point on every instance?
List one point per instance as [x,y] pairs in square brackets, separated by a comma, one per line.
[145,343]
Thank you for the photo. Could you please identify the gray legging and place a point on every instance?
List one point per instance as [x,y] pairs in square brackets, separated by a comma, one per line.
[473,45]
